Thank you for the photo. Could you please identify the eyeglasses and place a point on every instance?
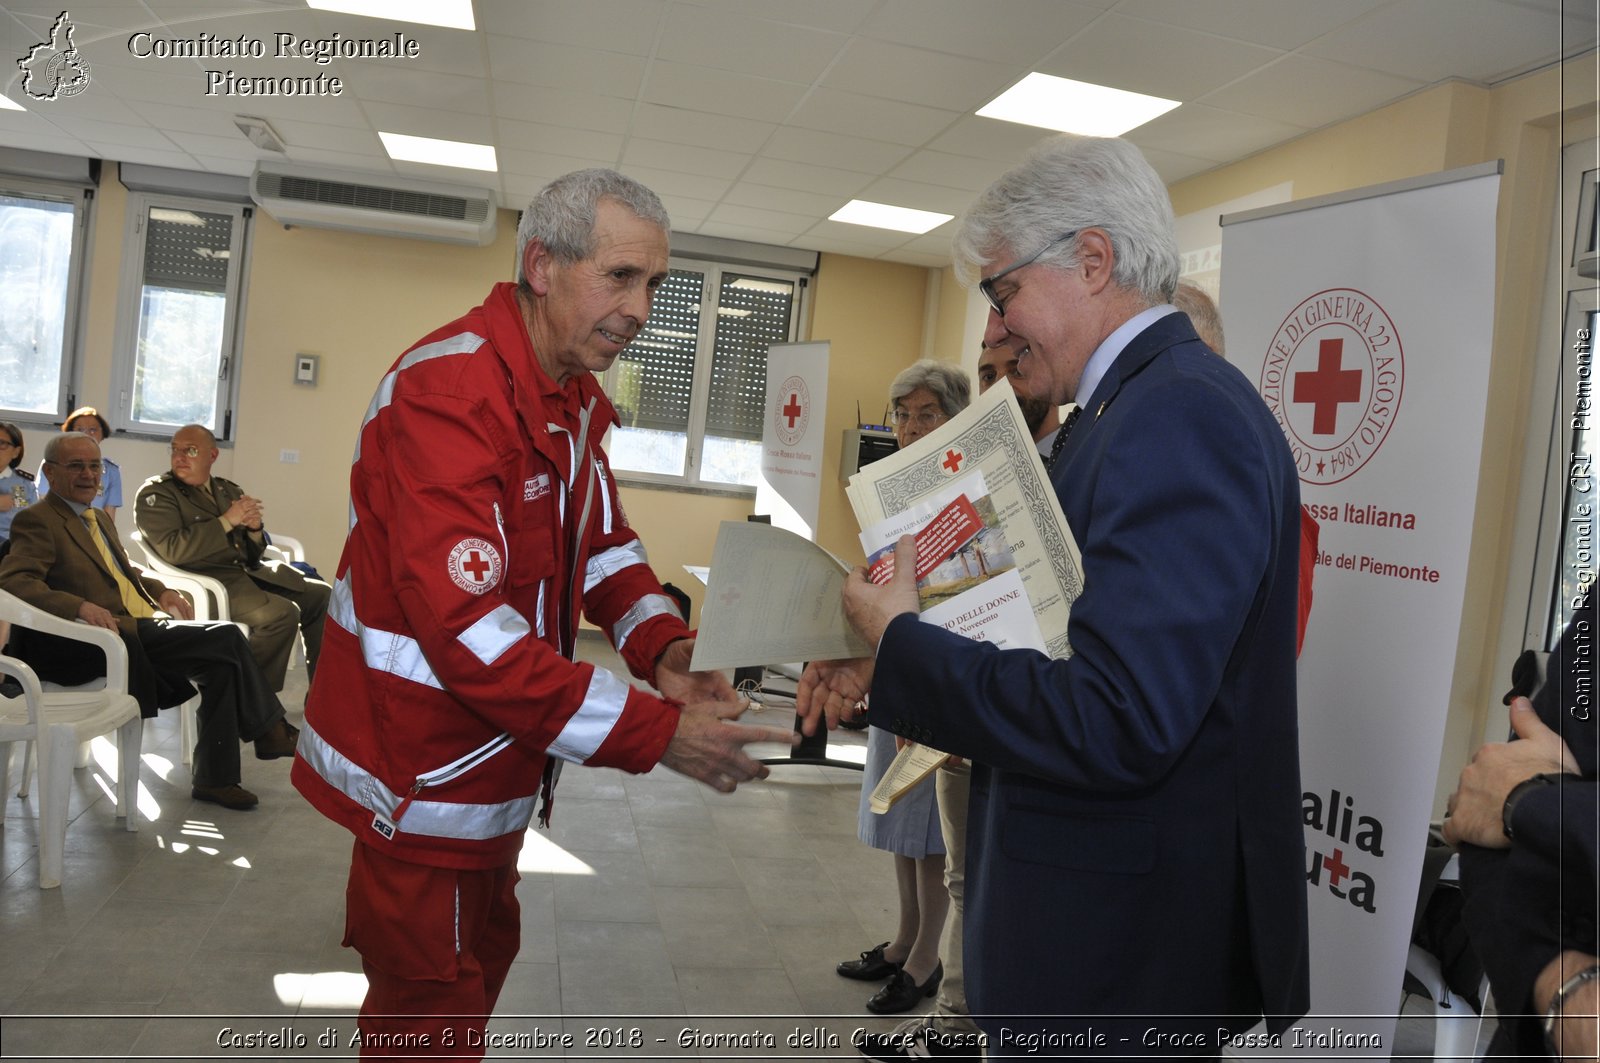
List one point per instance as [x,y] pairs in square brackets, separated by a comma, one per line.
[986,286]
[186,452]
[7,444]
[76,467]
[923,419]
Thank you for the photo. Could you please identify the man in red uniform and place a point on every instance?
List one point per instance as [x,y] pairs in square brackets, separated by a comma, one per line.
[483,518]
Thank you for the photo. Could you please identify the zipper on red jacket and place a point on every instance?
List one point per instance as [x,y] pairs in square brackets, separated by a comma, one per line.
[389,826]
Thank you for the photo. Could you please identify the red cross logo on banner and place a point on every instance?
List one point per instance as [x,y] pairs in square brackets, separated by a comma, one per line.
[1337,868]
[953,459]
[1326,387]
[793,410]
[474,566]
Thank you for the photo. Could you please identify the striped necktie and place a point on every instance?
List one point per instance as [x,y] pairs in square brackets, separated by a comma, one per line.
[132,600]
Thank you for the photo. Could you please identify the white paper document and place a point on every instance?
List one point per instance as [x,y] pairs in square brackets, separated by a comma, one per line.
[991,439]
[772,596]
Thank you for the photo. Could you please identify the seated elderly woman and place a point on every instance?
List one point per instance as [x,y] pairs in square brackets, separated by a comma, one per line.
[924,396]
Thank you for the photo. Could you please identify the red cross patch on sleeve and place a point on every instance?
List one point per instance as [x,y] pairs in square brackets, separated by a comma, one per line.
[475,566]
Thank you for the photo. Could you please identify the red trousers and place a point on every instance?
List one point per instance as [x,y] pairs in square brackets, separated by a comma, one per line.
[436,945]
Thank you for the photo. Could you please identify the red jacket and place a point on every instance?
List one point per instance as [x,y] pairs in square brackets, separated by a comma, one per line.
[483,516]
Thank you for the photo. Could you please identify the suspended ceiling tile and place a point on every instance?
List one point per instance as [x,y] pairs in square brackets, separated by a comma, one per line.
[917,196]
[794,144]
[426,122]
[838,16]
[721,92]
[1005,31]
[700,129]
[989,138]
[1306,91]
[1175,63]
[1475,39]
[383,82]
[951,171]
[512,135]
[329,137]
[517,61]
[684,158]
[871,117]
[575,110]
[1285,24]
[627,26]
[806,177]
[1208,133]
[723,41]
[916,75]
[765,197]
[791,225]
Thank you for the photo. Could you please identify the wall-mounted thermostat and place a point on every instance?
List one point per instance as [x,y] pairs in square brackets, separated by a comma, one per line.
[305,369]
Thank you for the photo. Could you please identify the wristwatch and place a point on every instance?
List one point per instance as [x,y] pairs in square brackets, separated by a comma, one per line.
[1553,1013]
[1519,791]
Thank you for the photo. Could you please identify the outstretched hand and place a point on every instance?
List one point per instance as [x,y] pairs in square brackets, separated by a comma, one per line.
[676,681]
[831,691]
[1473,813]
[709,747]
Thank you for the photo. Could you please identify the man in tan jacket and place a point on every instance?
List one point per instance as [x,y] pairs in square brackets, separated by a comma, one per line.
[208,525]
[66,558]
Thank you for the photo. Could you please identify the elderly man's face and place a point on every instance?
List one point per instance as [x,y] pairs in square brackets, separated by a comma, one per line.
[588,311]
[74,473]
[1049,325]
[195,470]
[1002,362]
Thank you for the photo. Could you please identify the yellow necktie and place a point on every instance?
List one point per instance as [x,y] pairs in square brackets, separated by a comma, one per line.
[132,600]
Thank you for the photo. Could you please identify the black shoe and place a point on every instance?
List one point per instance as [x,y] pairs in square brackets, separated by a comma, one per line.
[916,1039]
[870,967]
[900,993]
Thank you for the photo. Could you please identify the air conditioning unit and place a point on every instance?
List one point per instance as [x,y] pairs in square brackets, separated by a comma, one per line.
[327,198]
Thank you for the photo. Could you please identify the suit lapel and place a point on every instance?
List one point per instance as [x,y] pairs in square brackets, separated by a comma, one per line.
[1161,335]
[78,532]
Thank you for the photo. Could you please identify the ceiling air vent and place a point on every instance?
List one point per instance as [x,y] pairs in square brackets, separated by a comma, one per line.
[385,206]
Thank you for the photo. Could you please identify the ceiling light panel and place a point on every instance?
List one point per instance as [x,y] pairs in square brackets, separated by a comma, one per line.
[1050,102]
[456,153]
[885,216]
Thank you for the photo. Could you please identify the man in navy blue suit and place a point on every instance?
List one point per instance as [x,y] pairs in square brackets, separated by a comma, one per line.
[1136,867]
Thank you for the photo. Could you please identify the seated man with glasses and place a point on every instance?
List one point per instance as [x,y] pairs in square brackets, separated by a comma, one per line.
[208,525]
[67,559]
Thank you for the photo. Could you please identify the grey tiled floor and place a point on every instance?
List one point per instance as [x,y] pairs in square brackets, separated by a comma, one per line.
[650,896]
[655,910]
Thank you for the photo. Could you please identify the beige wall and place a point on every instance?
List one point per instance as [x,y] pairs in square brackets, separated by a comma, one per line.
[358,301]
[1449,126]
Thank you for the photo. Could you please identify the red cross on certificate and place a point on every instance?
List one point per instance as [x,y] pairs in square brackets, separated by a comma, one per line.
[953,459]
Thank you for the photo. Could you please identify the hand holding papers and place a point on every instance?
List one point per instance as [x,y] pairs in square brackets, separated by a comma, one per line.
[1021,514]
[995,559]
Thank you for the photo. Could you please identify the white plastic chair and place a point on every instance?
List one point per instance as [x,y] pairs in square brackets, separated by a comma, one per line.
[58,721]
[285,548]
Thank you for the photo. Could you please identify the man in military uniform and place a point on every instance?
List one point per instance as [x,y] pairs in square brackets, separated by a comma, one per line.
[209,526]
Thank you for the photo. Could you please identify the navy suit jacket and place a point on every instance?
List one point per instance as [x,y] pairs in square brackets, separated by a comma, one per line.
[1134,841]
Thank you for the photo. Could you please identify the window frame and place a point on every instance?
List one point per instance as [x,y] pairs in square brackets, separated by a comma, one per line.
[712,271]
[1572,300]
[130,290]
[82,201]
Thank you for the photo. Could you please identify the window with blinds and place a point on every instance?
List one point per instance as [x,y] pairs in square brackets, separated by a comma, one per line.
[691,389]
[178,314]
